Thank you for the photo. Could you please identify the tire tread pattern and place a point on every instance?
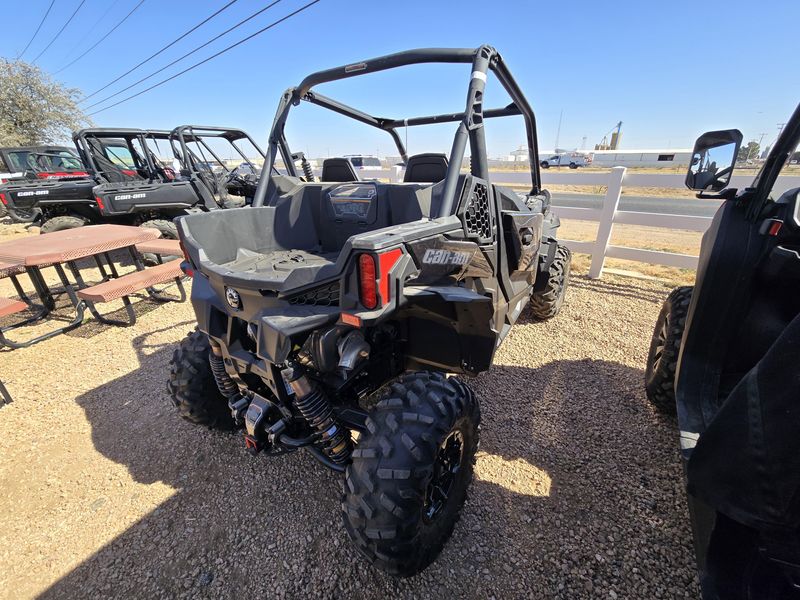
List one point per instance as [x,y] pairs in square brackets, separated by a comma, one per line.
[660,379]
[392,465]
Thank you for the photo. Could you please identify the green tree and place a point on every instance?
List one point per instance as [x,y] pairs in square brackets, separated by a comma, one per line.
[34,109]
[749,151]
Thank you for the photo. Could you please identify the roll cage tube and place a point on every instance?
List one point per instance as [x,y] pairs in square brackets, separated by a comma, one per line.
[785,144]
[79,138]
[471,120]
[196,133]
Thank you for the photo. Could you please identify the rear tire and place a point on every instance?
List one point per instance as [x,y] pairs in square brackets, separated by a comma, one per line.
[544,164]
[169,231]
[61,223]
[573,165]
[546,303]
[410,472]
[192,387]
[662,360]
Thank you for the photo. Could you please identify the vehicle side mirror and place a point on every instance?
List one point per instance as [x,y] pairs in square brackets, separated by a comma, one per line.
[713,158]
[186,173]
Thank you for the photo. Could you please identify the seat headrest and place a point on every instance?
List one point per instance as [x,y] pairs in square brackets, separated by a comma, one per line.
[426,168]
[338,170]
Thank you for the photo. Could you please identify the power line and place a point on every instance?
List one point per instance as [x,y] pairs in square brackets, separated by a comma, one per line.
[152,56]
[35,33]
[63,27]
[108,9]
[110,31]
[213,56]
[177,60]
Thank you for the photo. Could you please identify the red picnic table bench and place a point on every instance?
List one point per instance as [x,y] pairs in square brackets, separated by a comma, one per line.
[32,254]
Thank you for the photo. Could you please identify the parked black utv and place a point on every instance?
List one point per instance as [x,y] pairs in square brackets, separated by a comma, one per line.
[35,163]
[724,357]
[333,314]
[130,185]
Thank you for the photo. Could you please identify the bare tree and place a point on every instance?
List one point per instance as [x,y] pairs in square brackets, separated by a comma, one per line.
[34,109]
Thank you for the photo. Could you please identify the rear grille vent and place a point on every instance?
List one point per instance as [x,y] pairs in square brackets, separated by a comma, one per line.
[477,214]
[326,295]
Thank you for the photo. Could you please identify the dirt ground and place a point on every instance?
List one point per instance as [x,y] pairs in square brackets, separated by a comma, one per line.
[105,492]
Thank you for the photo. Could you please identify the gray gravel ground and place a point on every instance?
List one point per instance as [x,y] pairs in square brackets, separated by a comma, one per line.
[104,492]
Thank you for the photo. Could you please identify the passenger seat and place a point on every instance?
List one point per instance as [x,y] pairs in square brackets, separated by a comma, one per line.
[338,170]
[426,168]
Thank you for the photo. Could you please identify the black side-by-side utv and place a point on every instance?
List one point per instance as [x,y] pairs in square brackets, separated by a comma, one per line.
[332,314]
[725,356]
[36,163]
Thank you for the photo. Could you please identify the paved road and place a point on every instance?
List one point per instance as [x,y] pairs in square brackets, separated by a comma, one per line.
[673,206]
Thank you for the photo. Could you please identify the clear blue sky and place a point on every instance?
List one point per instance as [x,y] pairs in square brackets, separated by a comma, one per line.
[668,70]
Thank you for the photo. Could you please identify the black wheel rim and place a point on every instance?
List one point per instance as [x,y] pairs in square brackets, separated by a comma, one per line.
[445,473]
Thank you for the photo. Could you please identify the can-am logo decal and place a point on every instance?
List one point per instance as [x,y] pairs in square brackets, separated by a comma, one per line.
[445,257]
[130,196]
[34,193]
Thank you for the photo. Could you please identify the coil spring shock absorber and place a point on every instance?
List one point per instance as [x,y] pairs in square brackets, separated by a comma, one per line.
[316,409]
[227,386]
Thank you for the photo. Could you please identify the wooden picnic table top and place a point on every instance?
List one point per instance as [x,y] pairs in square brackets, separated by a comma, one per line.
[71,244]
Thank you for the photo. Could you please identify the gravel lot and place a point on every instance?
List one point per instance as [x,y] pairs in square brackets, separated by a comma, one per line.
[104,492]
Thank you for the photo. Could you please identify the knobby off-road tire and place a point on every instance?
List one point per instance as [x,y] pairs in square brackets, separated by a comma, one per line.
[169,231]
[61,223]
[422,440]
[546,303]
[192,387]
[662,360]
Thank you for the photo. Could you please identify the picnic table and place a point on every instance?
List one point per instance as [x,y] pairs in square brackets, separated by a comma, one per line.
[66,247]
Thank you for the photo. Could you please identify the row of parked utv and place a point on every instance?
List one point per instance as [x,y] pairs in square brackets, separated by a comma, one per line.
[122,176]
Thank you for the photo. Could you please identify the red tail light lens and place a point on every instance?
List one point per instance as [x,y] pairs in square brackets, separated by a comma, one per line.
[3,199]
[368,286]
[100,204]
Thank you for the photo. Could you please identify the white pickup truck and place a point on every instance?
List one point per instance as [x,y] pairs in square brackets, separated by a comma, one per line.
[573,160]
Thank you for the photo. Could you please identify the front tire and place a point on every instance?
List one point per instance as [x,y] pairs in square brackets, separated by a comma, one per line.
[662,360]
[544,164]
[410,472]
[546,303]
[192,387]
[62,222]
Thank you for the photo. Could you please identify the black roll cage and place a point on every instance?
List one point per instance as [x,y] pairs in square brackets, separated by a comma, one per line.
[470,130]
[198,133]
[87,153]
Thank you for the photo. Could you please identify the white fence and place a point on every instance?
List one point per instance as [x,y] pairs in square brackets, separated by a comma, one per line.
[609,215]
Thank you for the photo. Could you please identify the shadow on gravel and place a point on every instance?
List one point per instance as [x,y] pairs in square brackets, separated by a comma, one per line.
[604,511]
[620,289]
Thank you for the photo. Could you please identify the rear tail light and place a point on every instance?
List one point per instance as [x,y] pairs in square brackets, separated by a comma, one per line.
[101,205]
[373,279]
[368,286]
[3,199]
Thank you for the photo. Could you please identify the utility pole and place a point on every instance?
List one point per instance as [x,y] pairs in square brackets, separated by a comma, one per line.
[780,128]
[558,131]
[583,143]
